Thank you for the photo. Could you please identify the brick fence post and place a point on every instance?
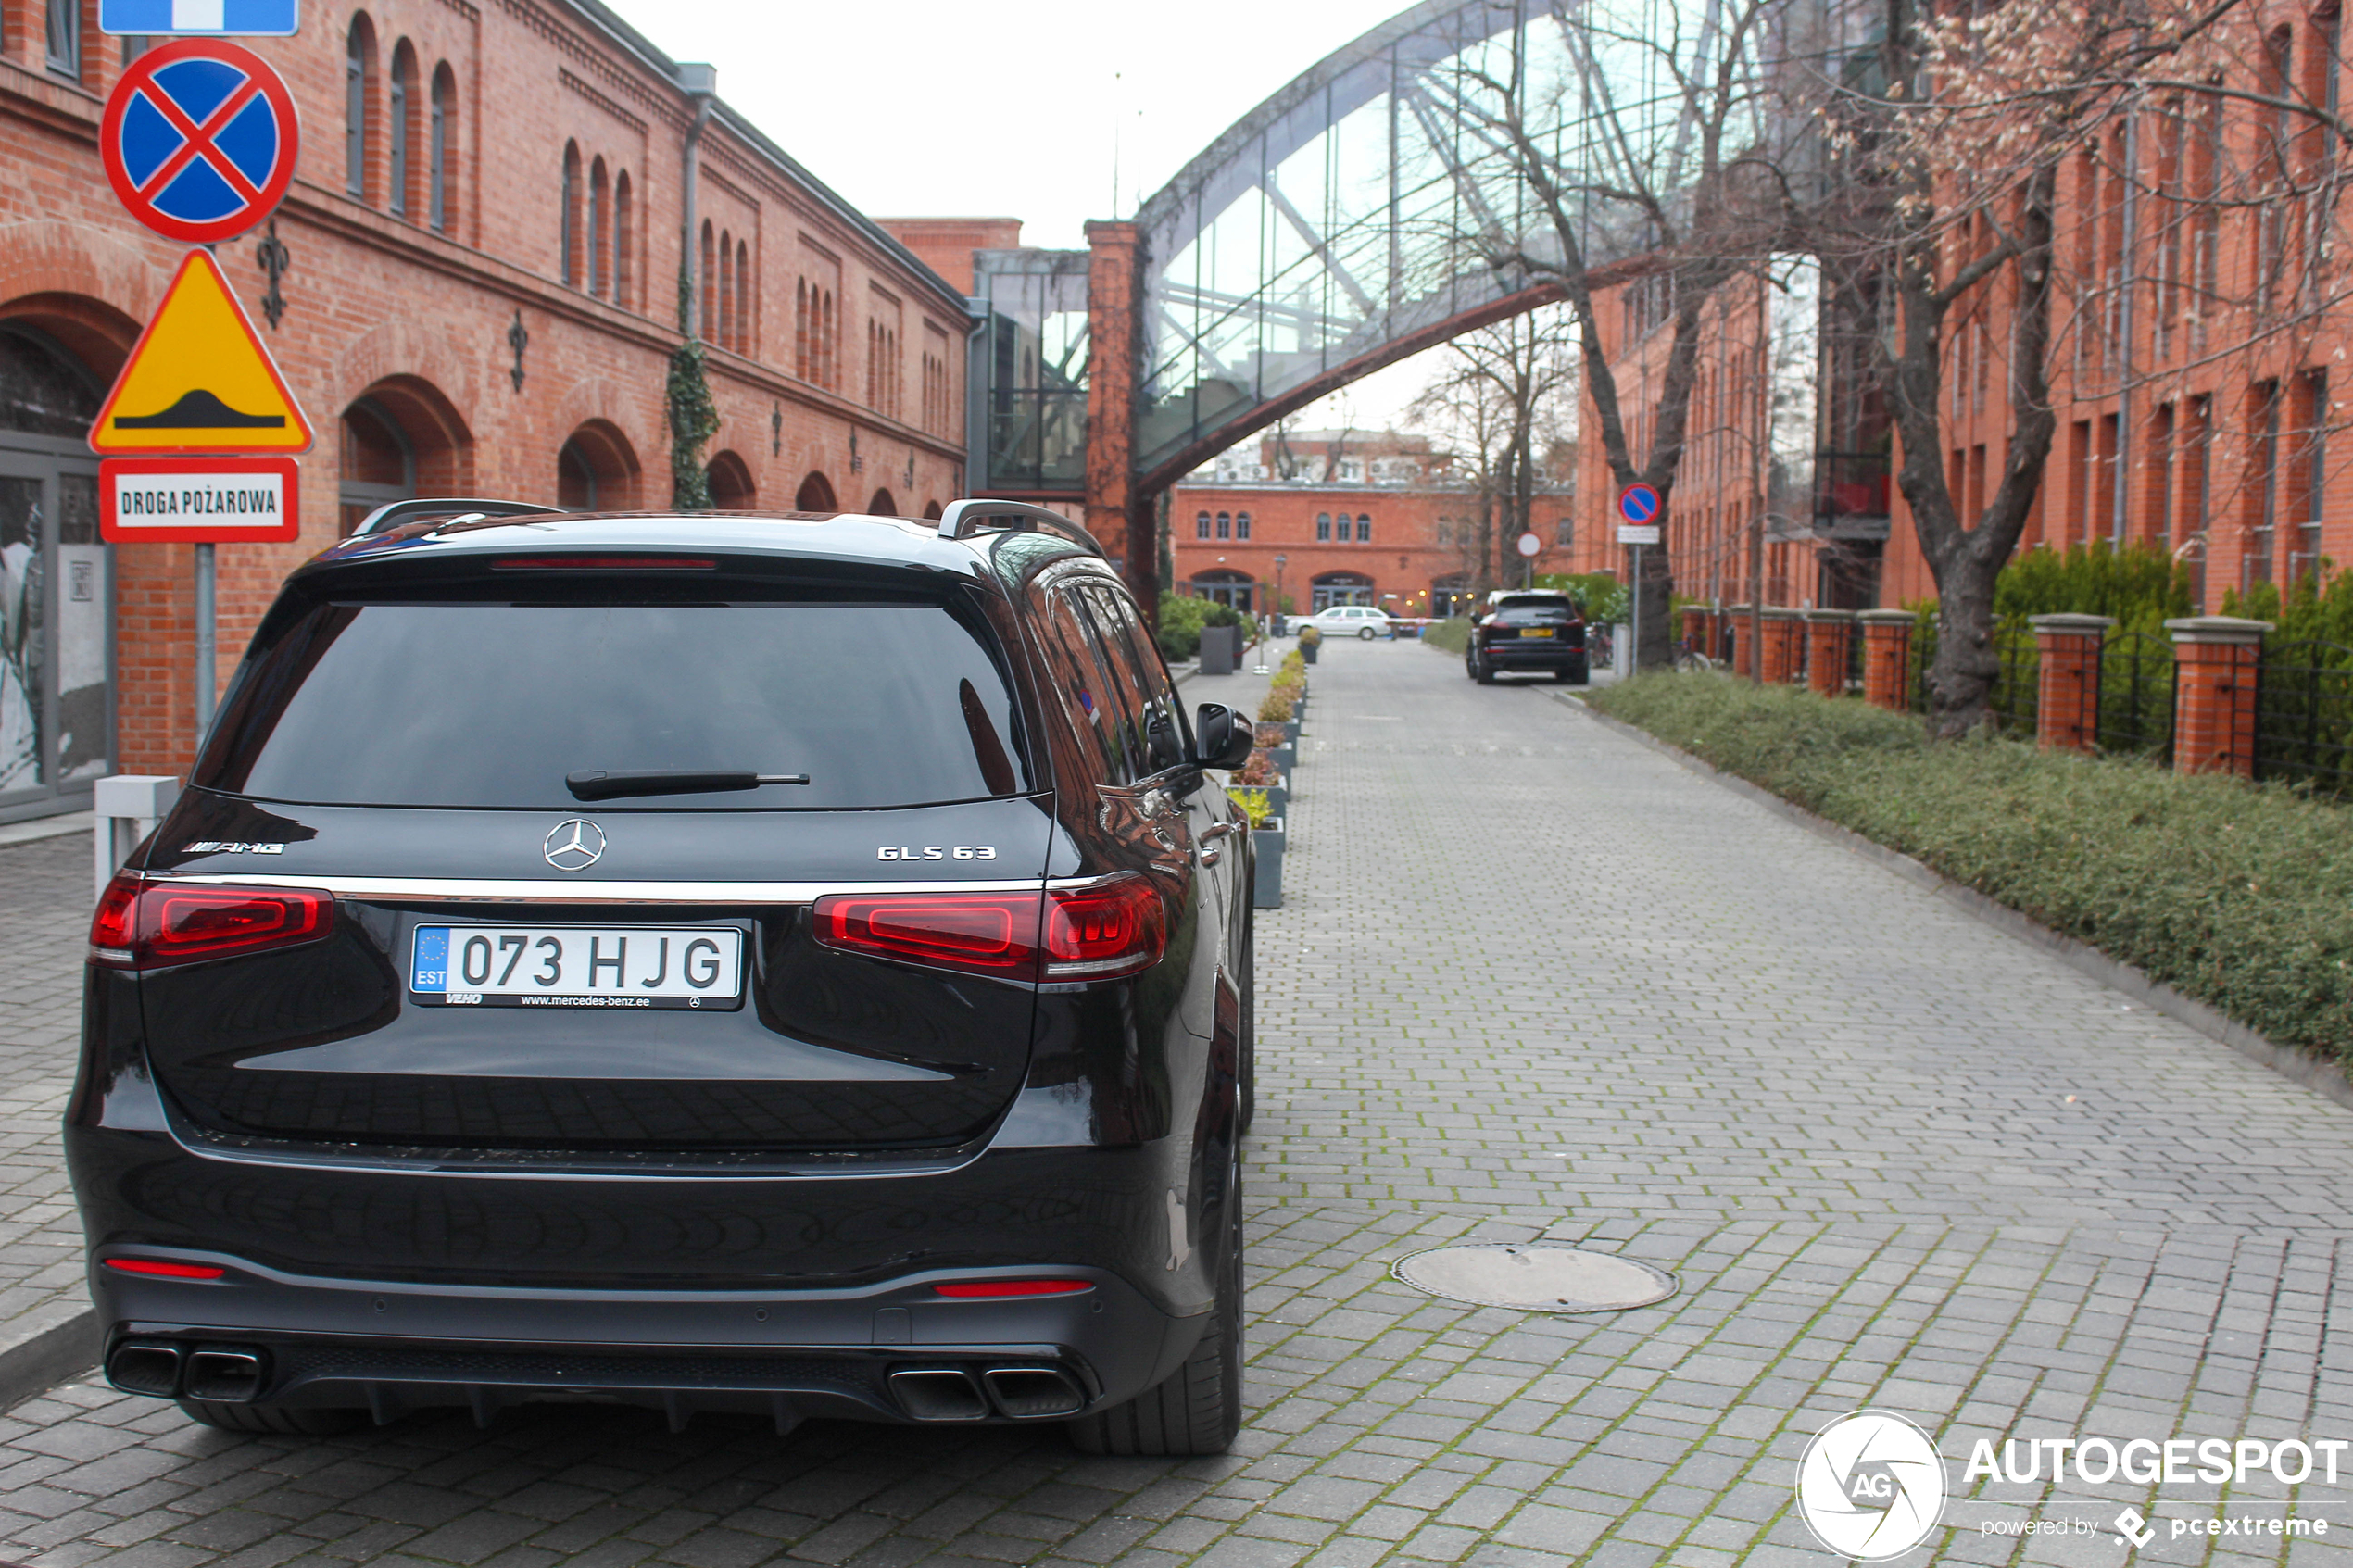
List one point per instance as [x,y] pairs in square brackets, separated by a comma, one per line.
[1828,634]
[1743,656]
[1887,658]
[2067,696]
[1780,646]
[2214,664]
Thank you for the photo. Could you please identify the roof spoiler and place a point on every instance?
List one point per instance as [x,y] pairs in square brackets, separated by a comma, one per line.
[395,514]
[962,519]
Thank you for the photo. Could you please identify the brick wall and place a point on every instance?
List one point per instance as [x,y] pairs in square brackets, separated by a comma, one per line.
[383,307]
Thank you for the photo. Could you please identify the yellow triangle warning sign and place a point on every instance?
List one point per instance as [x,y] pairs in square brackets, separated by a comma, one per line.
[200,380]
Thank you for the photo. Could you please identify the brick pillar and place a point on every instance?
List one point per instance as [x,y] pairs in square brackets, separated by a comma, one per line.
[1743,656]
[1780,646]
[2214,664]
[1887,658]
[1696,627]
[1115,513]
[1829,632]
[2067,703]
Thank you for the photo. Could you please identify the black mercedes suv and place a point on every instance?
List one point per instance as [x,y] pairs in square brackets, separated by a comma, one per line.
[1539,628]
[789,965]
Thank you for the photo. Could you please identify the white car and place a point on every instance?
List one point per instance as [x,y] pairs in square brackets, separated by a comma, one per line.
[1341,621]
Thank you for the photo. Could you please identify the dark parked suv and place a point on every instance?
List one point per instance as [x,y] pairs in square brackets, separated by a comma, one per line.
[794,964]
[1539,628]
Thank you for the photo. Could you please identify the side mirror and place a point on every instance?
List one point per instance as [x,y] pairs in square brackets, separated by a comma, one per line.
[1222,738]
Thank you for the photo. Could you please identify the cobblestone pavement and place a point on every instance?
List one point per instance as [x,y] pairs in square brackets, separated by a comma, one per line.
[1533,981]
[44,925]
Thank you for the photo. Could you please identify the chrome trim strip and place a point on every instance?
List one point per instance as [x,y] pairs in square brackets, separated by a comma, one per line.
[570,890]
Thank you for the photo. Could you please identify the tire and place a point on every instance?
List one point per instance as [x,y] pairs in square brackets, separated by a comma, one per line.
[1199,1409]
[1582,674]
[284,1419]
[1483,673]
[1365,635]
[1560,676]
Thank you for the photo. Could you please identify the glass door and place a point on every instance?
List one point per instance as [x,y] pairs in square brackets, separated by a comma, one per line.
[57,635]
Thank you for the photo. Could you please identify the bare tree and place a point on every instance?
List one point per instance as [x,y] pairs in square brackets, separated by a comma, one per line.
[1505,398]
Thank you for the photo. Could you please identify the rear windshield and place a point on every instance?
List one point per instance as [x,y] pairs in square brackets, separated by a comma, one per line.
[493,704]
[1533,612]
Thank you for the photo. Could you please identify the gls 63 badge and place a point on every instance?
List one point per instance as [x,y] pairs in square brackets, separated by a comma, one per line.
[936,852]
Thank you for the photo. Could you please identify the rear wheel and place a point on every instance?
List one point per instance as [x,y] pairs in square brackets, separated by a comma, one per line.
[1365,635]
[1581,673]
[1483,672]
[284,1420]
[1198,1410]
[1563,675]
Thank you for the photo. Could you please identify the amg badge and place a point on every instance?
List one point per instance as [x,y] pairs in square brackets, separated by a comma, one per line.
[936,852]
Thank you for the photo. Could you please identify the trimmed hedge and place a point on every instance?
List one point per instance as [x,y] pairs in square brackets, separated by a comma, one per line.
[2238,894]
[1449,637]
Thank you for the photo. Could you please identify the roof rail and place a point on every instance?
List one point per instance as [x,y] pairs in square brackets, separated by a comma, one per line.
[962,518]
[395,514]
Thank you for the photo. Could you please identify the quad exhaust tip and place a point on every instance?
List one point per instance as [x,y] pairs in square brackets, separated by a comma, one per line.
[222,1373]
[1018,1393]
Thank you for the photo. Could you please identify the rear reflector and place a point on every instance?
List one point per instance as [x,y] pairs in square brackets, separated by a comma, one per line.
[997,1290]
[142,925]
[160,1269]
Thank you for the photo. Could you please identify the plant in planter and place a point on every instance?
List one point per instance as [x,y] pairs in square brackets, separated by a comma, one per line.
[1260,776]
[1277,739]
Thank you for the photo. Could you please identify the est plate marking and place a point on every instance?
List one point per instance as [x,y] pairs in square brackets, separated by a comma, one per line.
[576,966]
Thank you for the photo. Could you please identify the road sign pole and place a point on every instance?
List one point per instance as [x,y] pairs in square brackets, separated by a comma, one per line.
[205,639]
[1634,654]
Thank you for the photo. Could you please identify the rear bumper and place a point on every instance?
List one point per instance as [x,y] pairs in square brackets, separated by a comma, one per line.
[388,1348]
[1534,655]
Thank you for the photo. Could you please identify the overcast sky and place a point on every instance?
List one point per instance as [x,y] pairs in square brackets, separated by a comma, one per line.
[1014,108]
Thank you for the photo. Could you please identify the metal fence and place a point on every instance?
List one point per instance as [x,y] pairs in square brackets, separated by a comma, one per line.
[2304,715]
[2017,693]
[2136,696]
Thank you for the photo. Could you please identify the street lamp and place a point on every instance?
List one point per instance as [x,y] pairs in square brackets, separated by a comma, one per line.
[1281,561]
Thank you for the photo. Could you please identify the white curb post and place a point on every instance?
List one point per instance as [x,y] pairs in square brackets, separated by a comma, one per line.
[128,806]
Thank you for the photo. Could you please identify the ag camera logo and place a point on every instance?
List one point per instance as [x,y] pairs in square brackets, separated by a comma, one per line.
[1871,1485]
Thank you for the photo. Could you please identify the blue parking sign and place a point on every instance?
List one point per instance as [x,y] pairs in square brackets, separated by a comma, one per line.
[202,18]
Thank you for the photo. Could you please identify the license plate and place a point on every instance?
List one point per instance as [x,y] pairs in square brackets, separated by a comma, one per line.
[576,966]
[1537,631]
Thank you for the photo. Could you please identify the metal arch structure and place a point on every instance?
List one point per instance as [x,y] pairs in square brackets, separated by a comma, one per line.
[1351,219]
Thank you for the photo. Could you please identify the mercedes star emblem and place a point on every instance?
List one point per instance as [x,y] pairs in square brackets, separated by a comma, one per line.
[574,845]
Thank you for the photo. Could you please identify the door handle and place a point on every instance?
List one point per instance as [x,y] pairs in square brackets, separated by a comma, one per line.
[1202,850]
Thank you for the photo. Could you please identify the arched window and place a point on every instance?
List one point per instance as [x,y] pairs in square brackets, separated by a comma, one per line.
[816,495]
[358,86]
[571,223]
[708,280]
[1363,528]
[743,297]
[883,505]
[600,265]
[404,98]
[829,345]
[724,333]
[1200,526]
[625,243]
[1323,528]
[1225,525]
[1241,525]
[442,205]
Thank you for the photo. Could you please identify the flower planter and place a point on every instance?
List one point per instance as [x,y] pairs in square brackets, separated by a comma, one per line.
[1267,892]
[1286,757]
[1291,731]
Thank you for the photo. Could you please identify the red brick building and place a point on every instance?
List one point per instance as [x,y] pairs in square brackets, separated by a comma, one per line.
[2196,373]
[473,289]
[1378,520]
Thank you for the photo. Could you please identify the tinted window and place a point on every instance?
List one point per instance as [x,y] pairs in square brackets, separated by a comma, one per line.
[1147,675]
[1081,686]
[1533,612]
[493,704]
[1122,704]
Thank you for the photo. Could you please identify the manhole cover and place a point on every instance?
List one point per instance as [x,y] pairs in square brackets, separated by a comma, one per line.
[1536,1279]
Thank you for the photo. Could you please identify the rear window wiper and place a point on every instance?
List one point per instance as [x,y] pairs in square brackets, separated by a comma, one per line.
[596,785]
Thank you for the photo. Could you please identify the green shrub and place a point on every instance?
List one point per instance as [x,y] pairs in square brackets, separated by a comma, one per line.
[2238,894]
[1181,619]
[2307,609]
[1449,637]
[1601,593]
[2140,585]
[1277,707]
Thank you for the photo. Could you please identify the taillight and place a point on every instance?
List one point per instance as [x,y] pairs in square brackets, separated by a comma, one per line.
[161,1269]
[992,933]
[1113,928]
[1007,1289]
[143,925]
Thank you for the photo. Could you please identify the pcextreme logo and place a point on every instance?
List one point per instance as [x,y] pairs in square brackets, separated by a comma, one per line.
[1871,1485]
